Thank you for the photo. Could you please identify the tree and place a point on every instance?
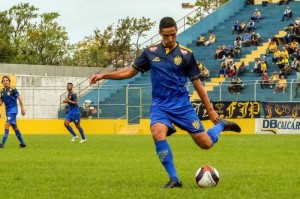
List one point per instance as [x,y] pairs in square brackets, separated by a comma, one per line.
[205,8]
[7,50]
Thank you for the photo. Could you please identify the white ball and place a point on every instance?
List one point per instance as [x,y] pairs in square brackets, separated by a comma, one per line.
[207,176]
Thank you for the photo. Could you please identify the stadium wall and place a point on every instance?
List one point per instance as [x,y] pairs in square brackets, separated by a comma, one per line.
[103,126]
[206,24]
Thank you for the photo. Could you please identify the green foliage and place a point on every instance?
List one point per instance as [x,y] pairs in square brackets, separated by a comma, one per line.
[120,166]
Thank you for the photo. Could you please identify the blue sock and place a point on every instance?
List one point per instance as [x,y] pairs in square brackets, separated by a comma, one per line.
[215,131]
[19,136]
[165,155]
[71,130]
[81,133]
[6,131]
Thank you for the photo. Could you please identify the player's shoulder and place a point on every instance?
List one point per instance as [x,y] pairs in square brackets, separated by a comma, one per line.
[184,50]
[153,47]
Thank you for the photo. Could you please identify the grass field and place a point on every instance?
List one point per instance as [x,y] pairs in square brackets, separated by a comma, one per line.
[120,166]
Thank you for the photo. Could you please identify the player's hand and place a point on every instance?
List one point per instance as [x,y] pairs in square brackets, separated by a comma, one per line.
[214,116]
[94,78]
[23,112]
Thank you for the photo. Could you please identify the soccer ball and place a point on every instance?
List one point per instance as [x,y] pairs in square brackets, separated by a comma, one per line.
[207,176]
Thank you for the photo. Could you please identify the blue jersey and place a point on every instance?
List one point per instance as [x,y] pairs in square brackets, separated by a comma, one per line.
[72,107]
[9,97]
[169,72]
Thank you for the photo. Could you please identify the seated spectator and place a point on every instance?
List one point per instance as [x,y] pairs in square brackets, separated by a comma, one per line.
[297,85]
[222,70]
[204,74]
[272,47]
[263,68]
[241,70]
[288,38]
[219,52]
[274,38]
[237,48]
[212,39]
[296,54]
[229,51]
[239,85]
[256,16]
[276,56]
[281,84]
[231,69]
[231,86]
[283,61]
[236,27]
[273,79]
[238,37]
[265,81]
[287,14]
[228,60]
[251,26]
[255,39]
[201,40]
[243,26]
[247,39]
[297,21]
[295,65]
[294,45]
[264,3]
[280,2]
[286,71]
[256,67]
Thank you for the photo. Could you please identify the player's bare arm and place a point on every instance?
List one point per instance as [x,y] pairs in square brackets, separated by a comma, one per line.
[124,73]
[21,106]
[214,117]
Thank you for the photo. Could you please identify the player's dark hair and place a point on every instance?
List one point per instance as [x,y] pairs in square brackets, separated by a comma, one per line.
[70,83]
[167,22]
[5,76]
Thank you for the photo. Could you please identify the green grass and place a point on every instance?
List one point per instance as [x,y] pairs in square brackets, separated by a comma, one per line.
[116,166]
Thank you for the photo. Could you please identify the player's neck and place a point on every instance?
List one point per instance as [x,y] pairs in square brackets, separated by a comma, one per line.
[170,48]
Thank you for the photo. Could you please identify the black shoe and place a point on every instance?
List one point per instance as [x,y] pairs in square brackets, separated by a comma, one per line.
[172,184]
[1,146]
[230,126]
[22,145]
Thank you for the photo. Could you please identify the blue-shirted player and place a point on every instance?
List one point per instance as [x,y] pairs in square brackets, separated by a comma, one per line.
[171,64]
[73,114]
[9,97]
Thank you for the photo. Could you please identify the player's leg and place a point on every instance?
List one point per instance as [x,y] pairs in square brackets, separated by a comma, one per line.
[164,152]
[83,138]
[69,128]
[19,135]
[5,136]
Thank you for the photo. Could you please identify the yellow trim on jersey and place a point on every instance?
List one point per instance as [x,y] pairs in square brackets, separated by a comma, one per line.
[185,48]
[156,44]
[167,50]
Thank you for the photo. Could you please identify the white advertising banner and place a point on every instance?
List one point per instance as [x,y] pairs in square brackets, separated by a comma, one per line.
[277,126]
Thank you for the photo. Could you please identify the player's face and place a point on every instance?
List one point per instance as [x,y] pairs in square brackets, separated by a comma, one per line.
[169,37]
[69,87]
[5,82]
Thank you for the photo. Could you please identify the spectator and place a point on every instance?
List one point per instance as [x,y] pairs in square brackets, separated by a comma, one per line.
[201,41]
[243,25]
[254,39]
[239,85]
[256,16]
[228,60]
[231,69]
[256,67]
[199,65]
[247,39]
[294,45]
[289,33]
[295,65]
[276,56]
[287,13]
[265,81]
[251,26]
[264,3]
[296,54]
[212,39]
[231,86]
[263,68]
[284,61]
[219,52]
[280,2]
[204,74]
[222,70]
[241,70]
[274,38]
[237,48]
[272,47]
[273,79]
[297,21]
[282,84]
[236,27]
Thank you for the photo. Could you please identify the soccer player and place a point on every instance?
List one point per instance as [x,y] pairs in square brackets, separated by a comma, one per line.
[170,65]
[9,97]
[73,114]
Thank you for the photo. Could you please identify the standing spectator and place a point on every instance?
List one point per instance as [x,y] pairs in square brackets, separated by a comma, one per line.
[297,85]
[265,81]
[201,40]
[287,13]
[231,86]
[212,39]
[239,85]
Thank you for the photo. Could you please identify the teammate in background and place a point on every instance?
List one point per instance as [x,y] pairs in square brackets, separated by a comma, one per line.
[170,65]
[73,114]
[9,97]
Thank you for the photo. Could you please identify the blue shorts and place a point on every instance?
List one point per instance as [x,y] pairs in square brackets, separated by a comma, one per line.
[73,117]
[185,118]
[11,118]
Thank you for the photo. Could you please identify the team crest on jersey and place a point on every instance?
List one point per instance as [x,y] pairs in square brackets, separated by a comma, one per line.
[177,60]
[156,59]
[8,93]
[153,48]
[196,124]
[184,52]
